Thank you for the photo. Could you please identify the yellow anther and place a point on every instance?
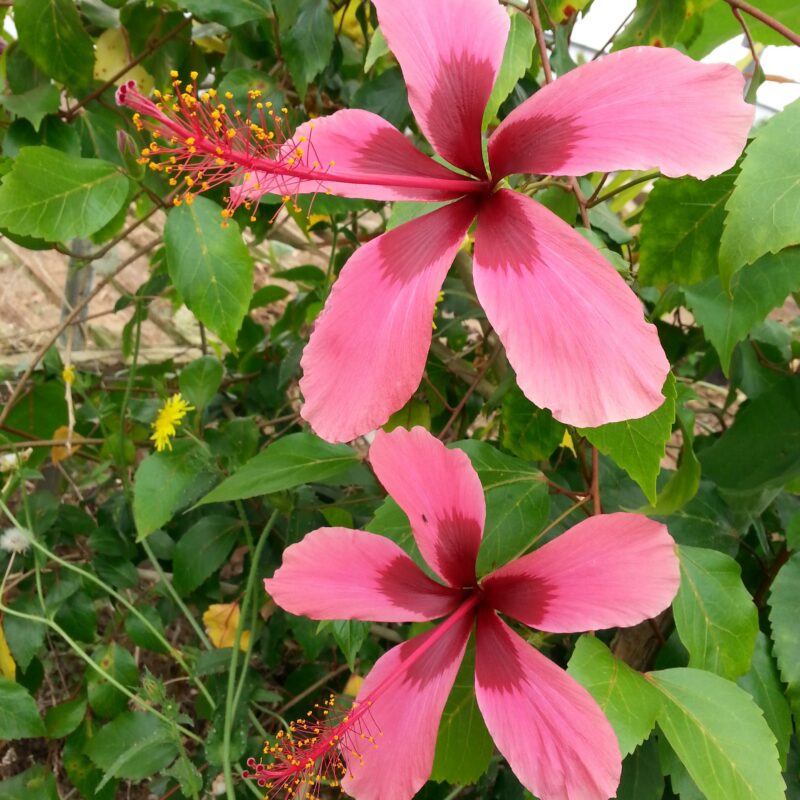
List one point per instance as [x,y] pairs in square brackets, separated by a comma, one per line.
[229,95]
[193,74]
[173,73]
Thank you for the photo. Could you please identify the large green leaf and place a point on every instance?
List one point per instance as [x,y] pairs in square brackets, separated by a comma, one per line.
[308,43]
[19,717]
[626,698]
[134,746]
[291,461]
[463,747]
[656,22]
[230,13]
[728,317]
[785,629]
[763,684]
[56,196]
[763,212]
[638,445]
[167,482]
[762,447]
[51,33]
[714,613]
[517,59]
[681,227]
[529,432]
[202,550]
[210,266]
[642,778]
[33,105]
[719,734]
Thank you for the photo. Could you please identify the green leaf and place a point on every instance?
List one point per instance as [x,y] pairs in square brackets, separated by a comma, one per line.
[308,44]
[719,734]
[291,461]
[19,717]
[63,719]
[763,684]
[36,783]
[785,630]
[763,212]
[385,95]
[210,266]
[529,432]
[714,613]
[25,638]
[517,59]
[202,550]
[134,746]
[656,22]
[230,13]
[638,445]
[463,747]
[728,317]
[105,699]
[167,482]
[56,196]
[627,699]
[33,105]
[377,48]
[200,380]
[681,227]
[642,778]
[349,635]
[762,447]
[141,635]
[51,33]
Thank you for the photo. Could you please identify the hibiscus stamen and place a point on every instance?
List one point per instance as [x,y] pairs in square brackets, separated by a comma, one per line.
[201,140]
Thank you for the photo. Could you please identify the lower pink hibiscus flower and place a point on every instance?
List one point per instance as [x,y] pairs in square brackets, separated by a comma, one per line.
[612,570]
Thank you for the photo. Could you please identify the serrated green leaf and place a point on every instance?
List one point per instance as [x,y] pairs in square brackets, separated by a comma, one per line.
[463,747]
[714,613]
[19,717]
[202,550]
[785,630]
[200,380]
[763,212]
[681,227]
[105,699]
[135,745]
[517,58]
[36,783]
[308,43]
[167,482]
[51,33]
[230,13]
[638,445]
[655,22]
[56,196]
[762,447]
[292,461]
[728,317]
[642,778]
[33,105]
[61,720]
[763,684]
[627,699]
[529,432]
[719,734]
[210,266]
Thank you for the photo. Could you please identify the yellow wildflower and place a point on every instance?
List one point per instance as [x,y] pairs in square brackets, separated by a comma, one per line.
[68,374]
[167,421]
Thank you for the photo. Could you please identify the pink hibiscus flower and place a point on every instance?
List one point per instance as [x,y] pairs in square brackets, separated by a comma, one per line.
[573,331]
[613,570]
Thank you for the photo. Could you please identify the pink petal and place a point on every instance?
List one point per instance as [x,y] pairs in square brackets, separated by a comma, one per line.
[607,571]
[367,353]
[338,573]
[573,330]
[440,493]
[639,108]
[365,148]
[406,709]
[549,728]
[450,53]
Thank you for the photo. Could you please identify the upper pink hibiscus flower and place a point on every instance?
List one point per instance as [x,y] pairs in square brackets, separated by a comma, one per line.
[572,329]
[607,571]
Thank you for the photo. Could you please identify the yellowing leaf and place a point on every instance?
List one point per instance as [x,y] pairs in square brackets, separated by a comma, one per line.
[111,54]
[62,452]
[353,685]
[221,621]
[346,20]
[567,443]
[8,669]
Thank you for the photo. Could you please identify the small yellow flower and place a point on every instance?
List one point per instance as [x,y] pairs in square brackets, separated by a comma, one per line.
[167,421]
[68,374]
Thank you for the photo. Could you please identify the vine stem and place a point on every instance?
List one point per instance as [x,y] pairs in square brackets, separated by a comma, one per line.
[750,43]
[235,688]
[769,21]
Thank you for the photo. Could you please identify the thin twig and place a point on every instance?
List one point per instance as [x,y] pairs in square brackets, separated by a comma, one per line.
[750,43]
[597,506]
[769,21]
[470,390]
[613,36]
[533,10]
[648,176]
